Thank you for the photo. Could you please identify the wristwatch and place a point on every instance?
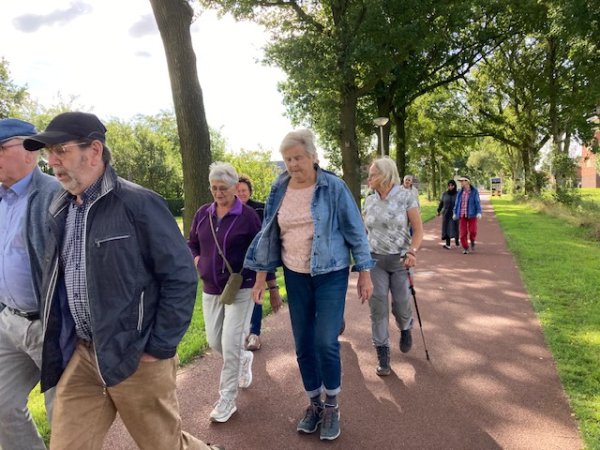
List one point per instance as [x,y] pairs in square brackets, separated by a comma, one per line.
[413,249]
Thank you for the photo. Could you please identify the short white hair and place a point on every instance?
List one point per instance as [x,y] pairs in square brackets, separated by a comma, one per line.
[223,172]
[304,137]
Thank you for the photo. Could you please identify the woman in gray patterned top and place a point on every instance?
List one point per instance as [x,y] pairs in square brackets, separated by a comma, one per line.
[388,213]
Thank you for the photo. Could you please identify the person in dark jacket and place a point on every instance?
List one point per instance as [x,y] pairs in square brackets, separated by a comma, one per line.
[244,193]
[25,193]
[234,225]
[118,293]
[446,209]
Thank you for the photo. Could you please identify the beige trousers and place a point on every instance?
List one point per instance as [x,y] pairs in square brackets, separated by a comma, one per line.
[84,408]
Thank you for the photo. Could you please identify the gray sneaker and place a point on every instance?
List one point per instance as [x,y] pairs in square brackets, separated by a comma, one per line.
[223,410]
[330,426]
[311,420]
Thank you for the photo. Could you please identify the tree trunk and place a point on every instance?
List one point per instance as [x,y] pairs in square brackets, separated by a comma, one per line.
[350,158]
[174,18]
[399,118]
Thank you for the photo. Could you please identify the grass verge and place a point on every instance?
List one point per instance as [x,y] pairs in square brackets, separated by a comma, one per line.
[559,266]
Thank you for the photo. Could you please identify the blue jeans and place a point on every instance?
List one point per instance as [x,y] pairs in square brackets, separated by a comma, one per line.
[255,322]
[316,311]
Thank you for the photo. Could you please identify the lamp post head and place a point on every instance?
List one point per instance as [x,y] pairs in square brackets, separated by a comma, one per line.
[381,121]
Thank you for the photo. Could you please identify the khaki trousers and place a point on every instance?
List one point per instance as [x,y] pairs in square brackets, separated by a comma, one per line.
[85,409]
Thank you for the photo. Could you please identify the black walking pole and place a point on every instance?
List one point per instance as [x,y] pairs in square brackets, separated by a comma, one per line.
[412,290]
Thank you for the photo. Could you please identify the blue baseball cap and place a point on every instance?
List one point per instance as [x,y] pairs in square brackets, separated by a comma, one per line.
[15,129]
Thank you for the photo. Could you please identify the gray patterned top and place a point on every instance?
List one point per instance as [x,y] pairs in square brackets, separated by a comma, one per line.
[387,221]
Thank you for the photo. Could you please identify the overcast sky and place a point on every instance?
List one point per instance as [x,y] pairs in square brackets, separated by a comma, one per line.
[109,54]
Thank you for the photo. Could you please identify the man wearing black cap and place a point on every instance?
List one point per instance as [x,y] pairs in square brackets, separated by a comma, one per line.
[119,289]
[467,210]
[25,194]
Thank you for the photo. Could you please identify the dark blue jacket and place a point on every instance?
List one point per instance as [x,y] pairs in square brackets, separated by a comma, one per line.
[141,282]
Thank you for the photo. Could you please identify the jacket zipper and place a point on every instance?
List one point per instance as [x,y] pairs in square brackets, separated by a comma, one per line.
[140,313]
[98,242]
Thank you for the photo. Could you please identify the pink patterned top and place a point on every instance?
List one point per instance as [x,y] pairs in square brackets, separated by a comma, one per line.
[297,229]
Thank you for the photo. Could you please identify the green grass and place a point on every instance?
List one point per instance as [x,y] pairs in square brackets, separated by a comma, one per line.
[559,267]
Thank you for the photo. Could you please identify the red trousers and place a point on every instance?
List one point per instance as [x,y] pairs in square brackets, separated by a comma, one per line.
[468,229]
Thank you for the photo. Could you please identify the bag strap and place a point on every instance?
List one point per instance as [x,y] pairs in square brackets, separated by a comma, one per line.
[212,228]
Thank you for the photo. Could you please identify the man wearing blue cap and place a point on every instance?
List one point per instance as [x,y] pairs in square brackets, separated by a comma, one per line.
[25,195]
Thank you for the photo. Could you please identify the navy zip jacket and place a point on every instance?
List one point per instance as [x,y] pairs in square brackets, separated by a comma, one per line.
[141,282]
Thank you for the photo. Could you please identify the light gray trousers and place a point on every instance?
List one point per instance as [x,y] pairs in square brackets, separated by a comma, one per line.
[389,275]
[225,332]
[20,364]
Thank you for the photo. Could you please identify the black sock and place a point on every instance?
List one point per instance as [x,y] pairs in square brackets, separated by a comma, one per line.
[448,242]
[331,400]
[316,400]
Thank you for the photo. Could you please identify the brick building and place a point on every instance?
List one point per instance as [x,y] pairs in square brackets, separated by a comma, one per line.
[589,173]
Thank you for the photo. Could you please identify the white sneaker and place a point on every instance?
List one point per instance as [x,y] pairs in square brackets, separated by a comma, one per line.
[253,342]
[223,410]
[245,378]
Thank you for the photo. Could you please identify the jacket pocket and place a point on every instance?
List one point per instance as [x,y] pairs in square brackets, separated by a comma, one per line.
[99,242]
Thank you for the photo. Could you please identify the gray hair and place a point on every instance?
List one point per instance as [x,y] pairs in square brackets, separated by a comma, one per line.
[408,177]
[107,158]
[304,137]
[388,171]
[223,172]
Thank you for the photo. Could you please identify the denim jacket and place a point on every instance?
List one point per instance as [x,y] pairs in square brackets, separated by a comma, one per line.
[338,229]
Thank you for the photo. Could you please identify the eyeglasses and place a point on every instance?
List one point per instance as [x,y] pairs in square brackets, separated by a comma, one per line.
[4,148]
[222,190]
[59,150]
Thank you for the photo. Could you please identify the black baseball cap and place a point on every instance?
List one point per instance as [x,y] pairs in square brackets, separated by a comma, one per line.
[66,127]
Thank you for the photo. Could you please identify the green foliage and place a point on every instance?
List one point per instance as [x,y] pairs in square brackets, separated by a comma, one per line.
[146,151]
[175,205]
[257,166]
[12,97]
[562,281]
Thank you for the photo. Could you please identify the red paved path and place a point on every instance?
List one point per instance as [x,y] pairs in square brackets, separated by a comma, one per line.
[491,382]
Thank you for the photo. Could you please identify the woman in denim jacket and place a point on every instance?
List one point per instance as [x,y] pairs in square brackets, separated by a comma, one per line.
[312,225]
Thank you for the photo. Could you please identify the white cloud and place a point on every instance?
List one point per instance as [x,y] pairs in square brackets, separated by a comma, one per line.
[29,23]
[110,55]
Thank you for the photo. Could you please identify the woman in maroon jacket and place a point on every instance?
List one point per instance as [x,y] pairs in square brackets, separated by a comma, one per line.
[235,225]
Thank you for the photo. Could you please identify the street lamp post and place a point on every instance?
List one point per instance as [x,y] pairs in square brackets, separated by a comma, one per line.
[439,158]
[381,122]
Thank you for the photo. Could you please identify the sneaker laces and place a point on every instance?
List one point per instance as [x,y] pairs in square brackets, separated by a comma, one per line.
[223,404]
[311,411]
[328,414]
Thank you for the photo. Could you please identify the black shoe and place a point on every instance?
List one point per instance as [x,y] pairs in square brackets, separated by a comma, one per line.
[343,327]
[472,246]
[405,341]
[465,251]
[383,355]
[447,247]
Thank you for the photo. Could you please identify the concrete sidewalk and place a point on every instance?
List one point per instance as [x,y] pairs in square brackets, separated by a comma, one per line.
[491,382]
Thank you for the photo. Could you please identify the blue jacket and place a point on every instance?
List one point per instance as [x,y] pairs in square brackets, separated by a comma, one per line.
[35,230]
[474,206]
[338,231]
[141,282]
